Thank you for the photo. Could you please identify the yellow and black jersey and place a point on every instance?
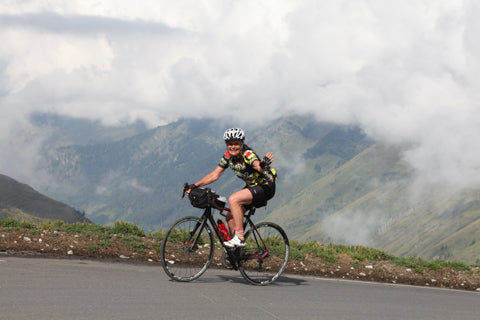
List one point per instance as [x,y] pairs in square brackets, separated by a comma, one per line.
[243,168]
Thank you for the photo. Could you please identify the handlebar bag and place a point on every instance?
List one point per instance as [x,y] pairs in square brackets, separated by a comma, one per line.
[199,198]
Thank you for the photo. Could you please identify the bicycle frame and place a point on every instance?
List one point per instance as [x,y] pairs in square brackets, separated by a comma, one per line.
[233,255]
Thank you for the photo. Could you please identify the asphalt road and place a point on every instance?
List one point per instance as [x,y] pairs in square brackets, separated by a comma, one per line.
[35,288]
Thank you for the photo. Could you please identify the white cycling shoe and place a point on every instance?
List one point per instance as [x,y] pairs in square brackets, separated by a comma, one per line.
[234,242]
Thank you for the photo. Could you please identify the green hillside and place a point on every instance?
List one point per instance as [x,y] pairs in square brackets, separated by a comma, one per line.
[21,202]
[373,200]
[445,225]
[339,190]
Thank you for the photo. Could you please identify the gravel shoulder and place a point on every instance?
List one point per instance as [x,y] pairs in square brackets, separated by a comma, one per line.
[59,244]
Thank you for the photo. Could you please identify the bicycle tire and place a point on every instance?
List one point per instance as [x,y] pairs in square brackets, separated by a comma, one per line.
[180,260]
[263,261]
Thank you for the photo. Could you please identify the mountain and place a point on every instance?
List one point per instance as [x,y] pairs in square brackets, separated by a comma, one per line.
[140,178]
[373,199]
[335,184]
[64,131]
[137,179]
[342,190]
[22,202]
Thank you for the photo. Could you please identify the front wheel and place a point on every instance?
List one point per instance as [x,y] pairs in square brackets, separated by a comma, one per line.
[265,255]
[187,249]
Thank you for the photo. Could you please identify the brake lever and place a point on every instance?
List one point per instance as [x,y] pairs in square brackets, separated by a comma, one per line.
[185,188]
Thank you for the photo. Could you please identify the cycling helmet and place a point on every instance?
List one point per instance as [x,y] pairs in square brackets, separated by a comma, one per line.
[234,134]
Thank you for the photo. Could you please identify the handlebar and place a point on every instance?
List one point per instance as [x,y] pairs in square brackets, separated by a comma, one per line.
[214,200]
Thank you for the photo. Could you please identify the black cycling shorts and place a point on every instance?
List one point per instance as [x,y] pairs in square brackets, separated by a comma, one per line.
[262,193]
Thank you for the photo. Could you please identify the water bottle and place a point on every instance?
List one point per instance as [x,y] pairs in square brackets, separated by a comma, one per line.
[223,230]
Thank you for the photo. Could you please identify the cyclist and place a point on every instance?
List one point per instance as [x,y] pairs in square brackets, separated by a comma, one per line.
[257,174]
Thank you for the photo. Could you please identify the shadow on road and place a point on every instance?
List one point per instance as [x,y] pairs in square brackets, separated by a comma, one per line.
[283,280]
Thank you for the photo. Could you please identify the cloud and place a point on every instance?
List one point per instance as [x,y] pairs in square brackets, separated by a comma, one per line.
[354,227]
[405,71]
[119,65]
[79,24]
[111,182]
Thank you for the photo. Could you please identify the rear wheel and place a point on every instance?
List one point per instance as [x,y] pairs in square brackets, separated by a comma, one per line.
[265,255]
[187,249]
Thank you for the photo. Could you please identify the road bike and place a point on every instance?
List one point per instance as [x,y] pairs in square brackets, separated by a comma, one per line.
[188,246]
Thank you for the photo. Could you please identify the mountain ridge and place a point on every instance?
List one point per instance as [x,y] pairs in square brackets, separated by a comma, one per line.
[22,202]
[335,184]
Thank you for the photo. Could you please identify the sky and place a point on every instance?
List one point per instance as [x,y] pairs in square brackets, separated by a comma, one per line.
[404,71]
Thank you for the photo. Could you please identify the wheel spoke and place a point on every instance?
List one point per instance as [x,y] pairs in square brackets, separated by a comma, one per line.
[186,250]
[265,255]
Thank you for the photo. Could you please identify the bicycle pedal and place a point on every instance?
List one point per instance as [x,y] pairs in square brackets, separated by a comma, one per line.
[238,251]
[226,262]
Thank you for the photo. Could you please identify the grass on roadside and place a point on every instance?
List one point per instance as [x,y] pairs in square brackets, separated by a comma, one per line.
[128,233]
[131,234]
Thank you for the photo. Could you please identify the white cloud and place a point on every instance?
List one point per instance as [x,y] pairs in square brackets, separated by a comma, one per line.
[353,227]
[406,71]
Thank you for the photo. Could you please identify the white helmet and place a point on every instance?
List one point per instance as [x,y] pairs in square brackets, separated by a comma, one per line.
[234,134]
